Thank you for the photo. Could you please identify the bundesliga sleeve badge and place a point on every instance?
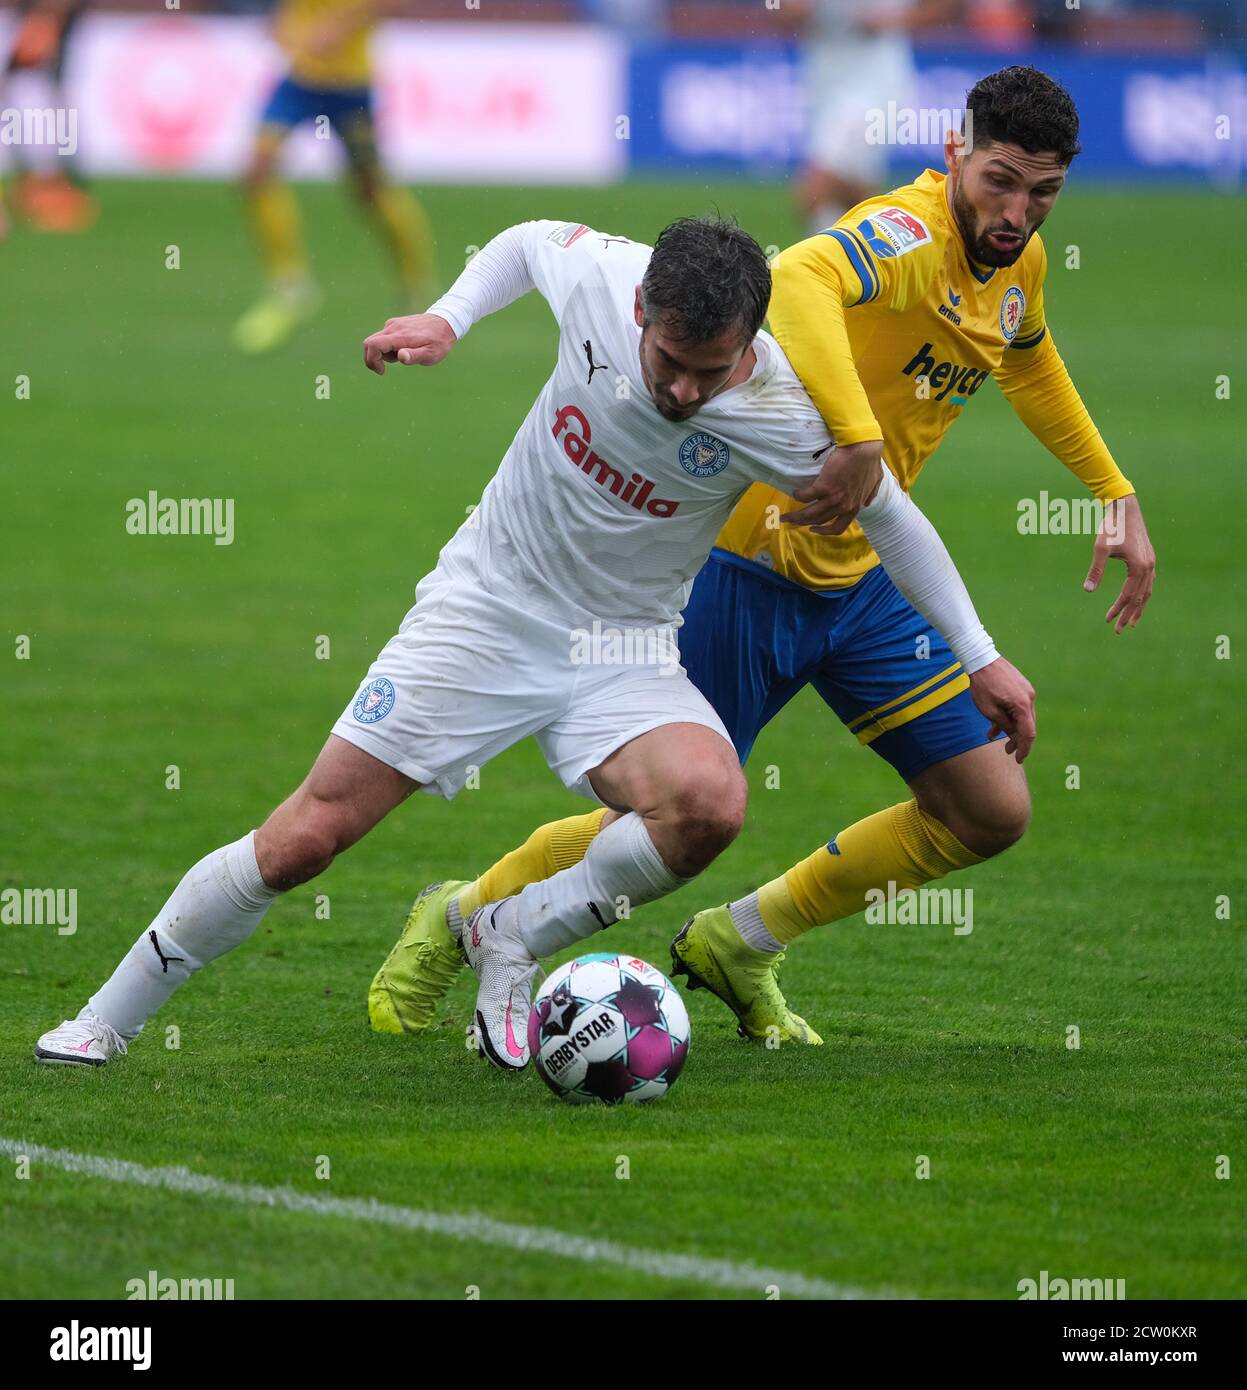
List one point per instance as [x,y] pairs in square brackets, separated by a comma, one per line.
[894,232]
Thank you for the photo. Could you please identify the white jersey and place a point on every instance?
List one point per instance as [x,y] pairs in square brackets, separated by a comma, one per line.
[602,508]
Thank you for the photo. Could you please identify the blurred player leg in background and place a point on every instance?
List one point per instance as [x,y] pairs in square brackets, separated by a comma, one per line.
[290,297]
[399,217]
[329,83]
[48,192]
[858,59]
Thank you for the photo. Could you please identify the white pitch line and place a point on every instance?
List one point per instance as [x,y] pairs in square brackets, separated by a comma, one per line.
[723,1274]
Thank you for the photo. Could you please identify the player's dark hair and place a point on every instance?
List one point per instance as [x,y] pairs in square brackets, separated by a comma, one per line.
[1023,106]
[706,275]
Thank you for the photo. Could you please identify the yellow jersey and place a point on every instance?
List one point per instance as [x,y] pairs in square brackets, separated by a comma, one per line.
[893,331]
[346,63]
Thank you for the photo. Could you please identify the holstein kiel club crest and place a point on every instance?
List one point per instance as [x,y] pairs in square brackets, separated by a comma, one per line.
[374,701]
[703,455]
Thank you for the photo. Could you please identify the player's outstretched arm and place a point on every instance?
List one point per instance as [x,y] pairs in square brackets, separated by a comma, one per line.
[1037,384]
[809,300]
[546,256]
[813,286]
[920,566]
[1123,536]
[496,276]
[416,340]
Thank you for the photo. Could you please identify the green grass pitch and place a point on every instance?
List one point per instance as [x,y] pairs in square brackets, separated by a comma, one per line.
[147,652]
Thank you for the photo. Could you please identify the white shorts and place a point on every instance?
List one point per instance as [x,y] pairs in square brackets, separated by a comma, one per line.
[467,675]
[846,82]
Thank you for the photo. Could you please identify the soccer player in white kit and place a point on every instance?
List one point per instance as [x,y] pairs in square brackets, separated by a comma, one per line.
[552,613]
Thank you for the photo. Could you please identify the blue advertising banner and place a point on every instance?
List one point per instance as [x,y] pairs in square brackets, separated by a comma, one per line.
[742,108]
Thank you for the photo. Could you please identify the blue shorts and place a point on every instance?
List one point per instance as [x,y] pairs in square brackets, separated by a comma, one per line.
[291,104]
[752,639]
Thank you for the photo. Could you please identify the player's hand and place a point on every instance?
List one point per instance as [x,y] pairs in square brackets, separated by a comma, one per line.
[1004,696]
[416,340]
[1123,536]
[850,476]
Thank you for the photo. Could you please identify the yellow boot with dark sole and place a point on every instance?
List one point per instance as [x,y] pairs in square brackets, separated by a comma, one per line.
[711,953]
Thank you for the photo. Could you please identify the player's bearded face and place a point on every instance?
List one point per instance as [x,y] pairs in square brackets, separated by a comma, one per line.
[1001,198]
[682,376]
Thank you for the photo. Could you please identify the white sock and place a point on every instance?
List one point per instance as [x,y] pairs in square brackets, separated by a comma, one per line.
[217,906]
[747,919]
[454,919]
[621,864]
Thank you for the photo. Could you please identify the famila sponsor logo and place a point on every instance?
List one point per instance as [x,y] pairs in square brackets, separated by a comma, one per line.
[572,429]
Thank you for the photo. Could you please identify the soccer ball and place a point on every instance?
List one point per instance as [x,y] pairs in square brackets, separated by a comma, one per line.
[608,1028]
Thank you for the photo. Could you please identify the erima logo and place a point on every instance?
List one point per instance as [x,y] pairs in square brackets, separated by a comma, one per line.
[949,310]
[946,378]
[636,491]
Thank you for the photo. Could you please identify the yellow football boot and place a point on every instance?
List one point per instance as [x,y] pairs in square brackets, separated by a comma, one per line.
[424,963]
[710,952]
[272,320]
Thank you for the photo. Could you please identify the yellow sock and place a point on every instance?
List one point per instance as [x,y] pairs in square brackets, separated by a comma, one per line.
[279,230]
[902,845]
[548,849]
[410,236]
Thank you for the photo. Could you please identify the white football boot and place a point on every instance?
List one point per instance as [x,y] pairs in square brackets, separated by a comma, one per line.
[505,967]
[85,1041]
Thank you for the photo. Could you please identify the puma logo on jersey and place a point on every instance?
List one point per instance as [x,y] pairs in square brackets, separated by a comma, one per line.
[572,426]
[946,378]
[593,366]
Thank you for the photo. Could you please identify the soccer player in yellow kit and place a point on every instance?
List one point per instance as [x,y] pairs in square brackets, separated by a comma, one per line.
[894,319]
[329,80]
